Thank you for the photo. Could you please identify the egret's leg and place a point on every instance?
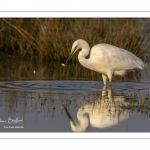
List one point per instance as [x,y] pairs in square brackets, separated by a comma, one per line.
[104,91]
[104,79]
[110,73]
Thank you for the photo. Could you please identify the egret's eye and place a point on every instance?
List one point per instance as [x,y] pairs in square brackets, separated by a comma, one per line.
[74,49]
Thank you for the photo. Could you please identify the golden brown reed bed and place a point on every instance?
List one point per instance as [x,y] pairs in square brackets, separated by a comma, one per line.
[50,39]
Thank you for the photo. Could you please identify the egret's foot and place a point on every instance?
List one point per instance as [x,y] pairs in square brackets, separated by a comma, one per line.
[110,84]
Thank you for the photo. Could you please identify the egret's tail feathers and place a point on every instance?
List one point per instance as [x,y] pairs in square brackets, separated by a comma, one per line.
[145,72]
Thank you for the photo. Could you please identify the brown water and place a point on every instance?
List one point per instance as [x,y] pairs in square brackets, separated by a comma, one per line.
[36,97]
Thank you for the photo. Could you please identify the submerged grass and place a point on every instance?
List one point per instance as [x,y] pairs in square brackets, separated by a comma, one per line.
[50,39]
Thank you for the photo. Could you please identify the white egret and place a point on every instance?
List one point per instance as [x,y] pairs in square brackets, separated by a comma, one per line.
[106,59]
[102,113]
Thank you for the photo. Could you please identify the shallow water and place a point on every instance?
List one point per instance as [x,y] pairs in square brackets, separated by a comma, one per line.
[72,106]
[39,97]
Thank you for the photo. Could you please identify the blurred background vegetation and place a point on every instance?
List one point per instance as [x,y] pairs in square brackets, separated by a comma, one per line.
[49,40]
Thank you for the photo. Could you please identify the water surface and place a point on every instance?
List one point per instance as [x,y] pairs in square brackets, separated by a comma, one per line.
[66,106]
[39,97]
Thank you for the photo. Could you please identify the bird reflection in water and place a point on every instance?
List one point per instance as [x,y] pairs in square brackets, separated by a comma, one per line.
[101,113]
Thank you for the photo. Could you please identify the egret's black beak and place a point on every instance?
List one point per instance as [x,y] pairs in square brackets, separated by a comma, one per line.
[69,116]
[71,54]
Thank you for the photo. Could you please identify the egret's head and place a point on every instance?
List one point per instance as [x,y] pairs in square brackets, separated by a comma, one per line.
[75,47]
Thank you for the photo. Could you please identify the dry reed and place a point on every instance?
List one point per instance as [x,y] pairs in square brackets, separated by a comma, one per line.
[50,39]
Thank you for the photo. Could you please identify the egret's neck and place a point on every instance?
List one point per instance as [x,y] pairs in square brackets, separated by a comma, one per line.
[82,56]
[85,51]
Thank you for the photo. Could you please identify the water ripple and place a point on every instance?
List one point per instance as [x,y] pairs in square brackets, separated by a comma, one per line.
[72,85]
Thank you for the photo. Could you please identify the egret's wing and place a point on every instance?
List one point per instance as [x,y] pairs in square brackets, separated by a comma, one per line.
[116,58]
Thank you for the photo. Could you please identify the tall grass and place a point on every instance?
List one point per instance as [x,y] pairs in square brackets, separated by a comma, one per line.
[50,39]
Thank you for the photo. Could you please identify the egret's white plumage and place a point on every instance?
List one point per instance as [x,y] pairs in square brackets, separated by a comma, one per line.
[106,59]
[101,113]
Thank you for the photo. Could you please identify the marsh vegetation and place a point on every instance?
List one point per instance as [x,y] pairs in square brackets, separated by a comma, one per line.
[50,39]
[40,45]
